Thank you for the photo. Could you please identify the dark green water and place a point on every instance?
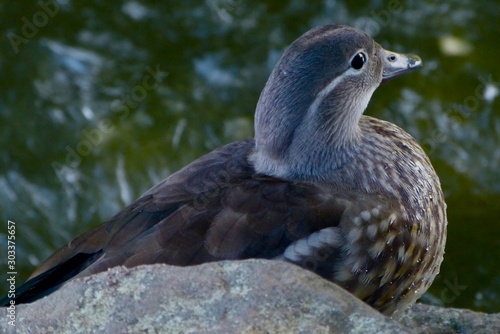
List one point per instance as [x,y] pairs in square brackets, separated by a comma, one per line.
[75,77]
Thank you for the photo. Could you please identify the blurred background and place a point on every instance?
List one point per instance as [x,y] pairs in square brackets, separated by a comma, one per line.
[101,100]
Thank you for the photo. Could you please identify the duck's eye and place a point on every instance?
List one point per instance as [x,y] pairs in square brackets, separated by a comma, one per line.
[358,60]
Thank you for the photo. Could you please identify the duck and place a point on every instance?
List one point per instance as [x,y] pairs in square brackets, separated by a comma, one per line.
[347,196]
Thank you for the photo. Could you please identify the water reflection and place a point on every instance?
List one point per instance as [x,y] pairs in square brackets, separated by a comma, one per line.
[83,65]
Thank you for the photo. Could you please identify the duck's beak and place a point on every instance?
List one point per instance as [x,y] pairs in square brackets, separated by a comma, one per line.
[396,64]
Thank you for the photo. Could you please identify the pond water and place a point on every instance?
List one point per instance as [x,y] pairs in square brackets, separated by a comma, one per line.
[101,100]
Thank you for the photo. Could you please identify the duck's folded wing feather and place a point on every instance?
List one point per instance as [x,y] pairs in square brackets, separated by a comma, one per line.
[213,209]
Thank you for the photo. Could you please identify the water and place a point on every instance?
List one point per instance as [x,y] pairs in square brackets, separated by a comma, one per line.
[99,101]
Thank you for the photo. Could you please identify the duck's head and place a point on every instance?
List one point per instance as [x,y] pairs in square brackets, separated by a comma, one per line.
[306,122]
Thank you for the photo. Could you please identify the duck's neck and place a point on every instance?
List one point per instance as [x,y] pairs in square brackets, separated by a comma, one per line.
[306,138]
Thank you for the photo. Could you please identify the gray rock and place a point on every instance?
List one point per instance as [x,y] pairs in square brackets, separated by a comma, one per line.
[254,296]
[438,320]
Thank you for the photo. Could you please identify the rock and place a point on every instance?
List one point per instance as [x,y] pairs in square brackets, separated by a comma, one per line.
[438,320]
[253,296]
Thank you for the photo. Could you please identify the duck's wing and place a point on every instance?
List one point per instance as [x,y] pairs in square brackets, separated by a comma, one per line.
[216,208]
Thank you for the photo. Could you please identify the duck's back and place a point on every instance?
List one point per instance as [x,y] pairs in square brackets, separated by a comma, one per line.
[218,208]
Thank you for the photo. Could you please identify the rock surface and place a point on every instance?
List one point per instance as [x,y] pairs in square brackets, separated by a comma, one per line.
[425,319]
[254,296]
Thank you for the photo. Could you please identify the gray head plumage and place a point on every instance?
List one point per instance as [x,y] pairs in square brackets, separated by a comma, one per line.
[306,122]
